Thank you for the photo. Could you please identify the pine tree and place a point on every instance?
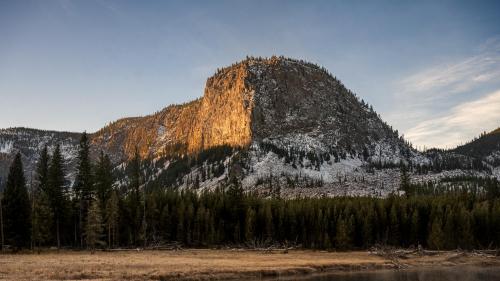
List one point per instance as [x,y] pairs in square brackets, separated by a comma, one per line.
[83,186]
[367,231]
[2,238]
[42,220]
[42,169]
[405,179]
[249,224]
[268,222]
[134,197]
[199,222]
[57,193]
[112,216]
[41,213]
[414,228]
[343,235]
[436,238]
[17,209]
[103,179]
[466,239]
[394,226]
[180,234]
[188,227]
[93,226]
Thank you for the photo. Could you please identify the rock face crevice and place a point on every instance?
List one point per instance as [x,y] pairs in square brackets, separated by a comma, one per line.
[224,117]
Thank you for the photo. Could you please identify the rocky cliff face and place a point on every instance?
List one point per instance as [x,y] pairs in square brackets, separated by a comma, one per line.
[291,103]
[302,104]
[221,117]
[273,109]
[153,136]
[225,113]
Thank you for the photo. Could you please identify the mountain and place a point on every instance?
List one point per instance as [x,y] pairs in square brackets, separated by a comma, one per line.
[277,100]
[29,142]
[486,149]
[289,116]
[485,146]
[275,125]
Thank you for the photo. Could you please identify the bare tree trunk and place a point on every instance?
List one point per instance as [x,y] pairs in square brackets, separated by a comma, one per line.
[81,224]
[75,232]
[32,212]
[109,236]
[33,226]
[58,236]
[144,210]
[1,221]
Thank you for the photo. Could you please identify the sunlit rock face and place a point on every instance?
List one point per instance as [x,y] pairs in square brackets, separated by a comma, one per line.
[152,135]
[221,116]
[224,116]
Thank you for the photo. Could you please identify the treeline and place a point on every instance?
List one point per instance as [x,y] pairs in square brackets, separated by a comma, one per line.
[171,169]
[488,188]
[231,217]
[53,213]
[95,214]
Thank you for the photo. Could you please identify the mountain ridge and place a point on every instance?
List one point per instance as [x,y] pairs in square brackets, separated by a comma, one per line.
[286,119]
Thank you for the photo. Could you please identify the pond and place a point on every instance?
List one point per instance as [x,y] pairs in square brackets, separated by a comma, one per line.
[433,274]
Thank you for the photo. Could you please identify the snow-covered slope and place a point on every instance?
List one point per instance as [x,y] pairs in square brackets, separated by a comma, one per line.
[29,142]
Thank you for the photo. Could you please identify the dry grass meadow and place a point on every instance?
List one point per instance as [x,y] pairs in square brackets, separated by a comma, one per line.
[204,264]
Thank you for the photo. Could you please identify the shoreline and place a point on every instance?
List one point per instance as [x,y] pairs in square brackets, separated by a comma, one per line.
[207,264]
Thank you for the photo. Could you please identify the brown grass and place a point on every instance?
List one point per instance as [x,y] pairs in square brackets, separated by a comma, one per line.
[199,264]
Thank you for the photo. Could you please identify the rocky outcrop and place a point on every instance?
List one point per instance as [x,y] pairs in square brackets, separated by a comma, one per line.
[224,116]
[153,136]
[278,100]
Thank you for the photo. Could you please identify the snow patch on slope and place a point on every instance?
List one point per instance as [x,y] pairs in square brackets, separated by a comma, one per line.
[304,142]
[6,147]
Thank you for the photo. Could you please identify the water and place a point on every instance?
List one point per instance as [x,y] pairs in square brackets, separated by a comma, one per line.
[442,274]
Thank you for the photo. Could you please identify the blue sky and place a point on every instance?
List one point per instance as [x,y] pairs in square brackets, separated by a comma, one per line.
[430,68]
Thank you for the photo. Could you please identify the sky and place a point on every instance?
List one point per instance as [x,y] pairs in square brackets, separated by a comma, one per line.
[430,68]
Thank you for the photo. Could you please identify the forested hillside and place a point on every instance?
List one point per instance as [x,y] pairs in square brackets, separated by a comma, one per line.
[454,213]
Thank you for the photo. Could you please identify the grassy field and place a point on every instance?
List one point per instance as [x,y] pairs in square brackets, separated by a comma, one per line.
[206,264]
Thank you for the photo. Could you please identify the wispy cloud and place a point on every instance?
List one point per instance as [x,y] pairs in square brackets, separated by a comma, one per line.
[465,120]
[447,104]
[444,80]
